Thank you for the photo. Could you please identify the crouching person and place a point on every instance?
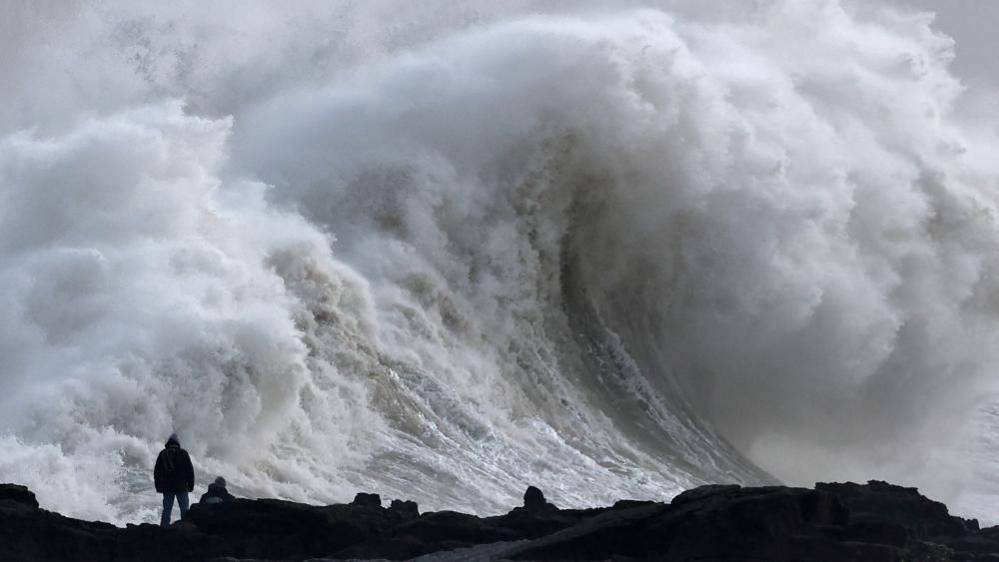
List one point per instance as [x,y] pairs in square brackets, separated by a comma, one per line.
[174,478]
[216,492]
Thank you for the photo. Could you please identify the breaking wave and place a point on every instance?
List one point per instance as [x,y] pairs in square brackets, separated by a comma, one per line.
[443,252]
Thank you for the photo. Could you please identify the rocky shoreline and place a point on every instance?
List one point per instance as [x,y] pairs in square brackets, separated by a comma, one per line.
[876,521]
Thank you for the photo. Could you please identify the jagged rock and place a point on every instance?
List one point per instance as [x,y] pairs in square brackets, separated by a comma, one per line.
[369,500]
[431,532]
[31,534]
[835,522]
[181,541]
[714,522]
[534,499]
[405,509]
[623,504]
[282,529]
[18,496]
[879,501]
[538,523]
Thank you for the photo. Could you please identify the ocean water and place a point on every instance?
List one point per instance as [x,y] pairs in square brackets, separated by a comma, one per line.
[443,250]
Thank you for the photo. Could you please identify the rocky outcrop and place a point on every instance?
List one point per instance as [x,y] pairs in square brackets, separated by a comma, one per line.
[875,503]
[534,500]
[18,496]
[370,500]
[28,533]
[862,522]
[405,509]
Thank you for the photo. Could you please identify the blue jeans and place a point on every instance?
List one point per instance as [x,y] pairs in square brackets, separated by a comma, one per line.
[168,506]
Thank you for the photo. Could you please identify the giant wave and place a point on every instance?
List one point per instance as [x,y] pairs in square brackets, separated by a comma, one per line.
[440,252]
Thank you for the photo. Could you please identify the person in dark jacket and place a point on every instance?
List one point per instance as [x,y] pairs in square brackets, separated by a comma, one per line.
[174,478]
[217,493]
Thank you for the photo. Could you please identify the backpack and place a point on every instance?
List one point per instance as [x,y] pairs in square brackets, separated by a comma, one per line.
[169,466]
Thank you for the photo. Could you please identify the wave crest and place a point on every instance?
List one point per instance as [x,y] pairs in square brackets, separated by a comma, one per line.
[615,254]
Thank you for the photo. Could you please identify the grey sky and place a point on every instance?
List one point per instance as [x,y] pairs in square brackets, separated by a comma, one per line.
[974,24]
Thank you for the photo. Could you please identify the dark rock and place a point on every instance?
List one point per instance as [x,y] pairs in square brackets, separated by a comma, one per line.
[181,541]
[35,534]
[282,529]
[394,548]
[613,533]
[534,499]
[702,492]
[369,500]
[18,496]
[834,522]
[879,501]
[532,524]
[624,504]
[453,527]
[716,522]
[405,509]
[32,534]
[735,523]
[431,532]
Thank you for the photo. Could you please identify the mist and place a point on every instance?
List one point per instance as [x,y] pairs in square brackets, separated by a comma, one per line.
[439,250]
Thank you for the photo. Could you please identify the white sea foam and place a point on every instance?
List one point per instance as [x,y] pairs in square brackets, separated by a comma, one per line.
[446,251]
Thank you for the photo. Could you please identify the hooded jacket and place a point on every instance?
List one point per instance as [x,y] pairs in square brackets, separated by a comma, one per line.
[174,471]
[217,492]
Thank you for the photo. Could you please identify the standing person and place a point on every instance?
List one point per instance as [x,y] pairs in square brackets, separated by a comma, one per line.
[174,478]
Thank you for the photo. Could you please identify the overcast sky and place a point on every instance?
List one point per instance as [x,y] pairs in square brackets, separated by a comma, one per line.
[975,26]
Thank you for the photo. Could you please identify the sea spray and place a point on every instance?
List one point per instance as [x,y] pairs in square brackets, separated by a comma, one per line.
[440,253]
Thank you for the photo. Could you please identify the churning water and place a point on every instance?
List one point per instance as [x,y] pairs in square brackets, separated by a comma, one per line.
[440,250]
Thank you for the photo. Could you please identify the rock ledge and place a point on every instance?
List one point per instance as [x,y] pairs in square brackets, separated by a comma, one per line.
[873,522]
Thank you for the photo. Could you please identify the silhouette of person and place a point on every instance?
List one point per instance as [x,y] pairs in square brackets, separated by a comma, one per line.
[174,478]
[216,492]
